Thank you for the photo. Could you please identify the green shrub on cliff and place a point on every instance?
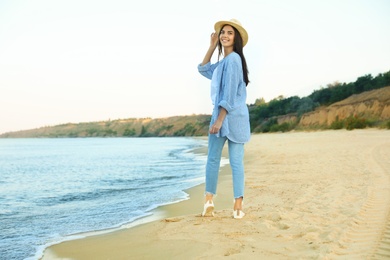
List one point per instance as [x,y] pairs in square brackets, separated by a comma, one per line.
[337,124]
[129,132]
[355,122]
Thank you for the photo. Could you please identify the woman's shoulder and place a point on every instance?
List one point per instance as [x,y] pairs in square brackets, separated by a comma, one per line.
[233,57]
[232,60]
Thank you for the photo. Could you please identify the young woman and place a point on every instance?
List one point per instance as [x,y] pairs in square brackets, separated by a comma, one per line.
[230,117]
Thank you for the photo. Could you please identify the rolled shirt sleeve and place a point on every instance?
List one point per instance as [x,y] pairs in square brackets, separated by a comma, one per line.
[207,69]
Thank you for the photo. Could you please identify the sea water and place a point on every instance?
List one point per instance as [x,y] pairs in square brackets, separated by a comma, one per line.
[53,188]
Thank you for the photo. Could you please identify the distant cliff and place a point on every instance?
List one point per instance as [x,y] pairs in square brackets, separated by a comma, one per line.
[194,125]
[372,105]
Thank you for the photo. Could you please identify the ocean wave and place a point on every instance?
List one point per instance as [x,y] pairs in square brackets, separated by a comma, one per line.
[126,186]
[84,196]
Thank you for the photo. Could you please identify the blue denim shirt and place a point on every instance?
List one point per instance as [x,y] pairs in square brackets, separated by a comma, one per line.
[231,95]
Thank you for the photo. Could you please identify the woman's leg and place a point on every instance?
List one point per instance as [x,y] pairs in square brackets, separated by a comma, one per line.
[214,154]
[236,158]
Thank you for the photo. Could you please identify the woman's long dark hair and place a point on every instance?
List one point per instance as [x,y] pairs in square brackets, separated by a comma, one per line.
[237,47]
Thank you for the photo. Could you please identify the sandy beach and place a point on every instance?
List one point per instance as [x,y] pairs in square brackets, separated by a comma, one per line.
[309,195]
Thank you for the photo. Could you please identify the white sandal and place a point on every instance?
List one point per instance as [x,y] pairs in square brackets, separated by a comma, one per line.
[238,213]
[208,208]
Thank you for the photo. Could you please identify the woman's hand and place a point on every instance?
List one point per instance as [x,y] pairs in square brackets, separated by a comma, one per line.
[213,45]
[214,129]
[214,40]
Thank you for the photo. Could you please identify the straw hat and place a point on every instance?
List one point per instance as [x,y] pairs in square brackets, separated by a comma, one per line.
[236,24]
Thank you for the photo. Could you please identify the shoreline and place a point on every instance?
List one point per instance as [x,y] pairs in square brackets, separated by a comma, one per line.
[320,195]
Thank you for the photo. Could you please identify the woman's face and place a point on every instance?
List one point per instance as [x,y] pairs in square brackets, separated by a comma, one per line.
[226,36]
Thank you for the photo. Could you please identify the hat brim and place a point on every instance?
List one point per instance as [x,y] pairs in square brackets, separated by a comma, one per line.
[240,29]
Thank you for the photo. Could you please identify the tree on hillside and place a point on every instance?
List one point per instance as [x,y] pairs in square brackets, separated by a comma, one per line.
[259,101]
[306,104]
[337,92]
[363,84]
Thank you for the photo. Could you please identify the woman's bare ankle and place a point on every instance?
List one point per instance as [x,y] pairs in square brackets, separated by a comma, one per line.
[208,197]
[238,203]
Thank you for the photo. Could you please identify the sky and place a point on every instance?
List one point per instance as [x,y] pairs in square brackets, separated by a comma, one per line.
[91,60]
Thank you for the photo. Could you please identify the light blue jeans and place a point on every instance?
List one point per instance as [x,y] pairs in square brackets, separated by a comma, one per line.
[236,160]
